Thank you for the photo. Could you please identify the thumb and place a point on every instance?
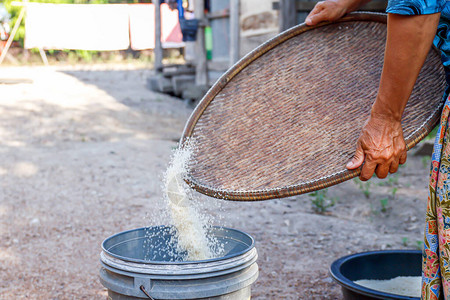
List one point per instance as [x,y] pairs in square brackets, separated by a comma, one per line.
[313,19]
[357,159]
[315,16]
[310,20]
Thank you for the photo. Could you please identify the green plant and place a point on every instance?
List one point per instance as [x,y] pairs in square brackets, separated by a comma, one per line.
[405,241]
[393,180]
[320,202]
[364,187]
[384,204]
[390,181]
[394,191]
[425,162]
[432,134]
[419,245]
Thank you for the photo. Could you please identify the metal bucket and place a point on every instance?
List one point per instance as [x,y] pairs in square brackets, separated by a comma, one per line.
[141,264]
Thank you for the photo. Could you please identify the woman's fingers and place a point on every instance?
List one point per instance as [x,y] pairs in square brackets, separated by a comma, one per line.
[316,15]
[329,10]
[403,157]
[382,171]
[316,18]
[394,166]
[367,170]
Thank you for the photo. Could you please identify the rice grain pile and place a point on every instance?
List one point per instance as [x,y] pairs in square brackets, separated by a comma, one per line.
[403,285]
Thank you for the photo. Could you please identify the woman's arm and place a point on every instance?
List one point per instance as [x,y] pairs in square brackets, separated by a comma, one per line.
[381,145]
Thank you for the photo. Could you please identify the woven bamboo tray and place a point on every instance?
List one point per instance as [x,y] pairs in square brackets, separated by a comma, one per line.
[285,119]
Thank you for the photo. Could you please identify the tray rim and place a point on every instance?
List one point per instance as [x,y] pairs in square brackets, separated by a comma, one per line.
[287,191]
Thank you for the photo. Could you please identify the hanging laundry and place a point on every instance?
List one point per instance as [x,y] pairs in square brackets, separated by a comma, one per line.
[170,28]
[77,26]
[142,27]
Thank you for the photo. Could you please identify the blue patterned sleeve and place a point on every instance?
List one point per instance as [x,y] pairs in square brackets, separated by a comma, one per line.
[415,7]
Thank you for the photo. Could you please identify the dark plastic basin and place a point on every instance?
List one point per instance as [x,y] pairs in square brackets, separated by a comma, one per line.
[380,265]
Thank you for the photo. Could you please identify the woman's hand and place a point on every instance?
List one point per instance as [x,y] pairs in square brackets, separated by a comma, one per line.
[331,10]
[380,146]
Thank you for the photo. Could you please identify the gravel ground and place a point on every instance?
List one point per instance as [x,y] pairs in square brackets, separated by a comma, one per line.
[82,152]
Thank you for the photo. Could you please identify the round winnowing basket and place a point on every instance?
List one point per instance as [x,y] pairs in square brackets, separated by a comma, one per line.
[285,119]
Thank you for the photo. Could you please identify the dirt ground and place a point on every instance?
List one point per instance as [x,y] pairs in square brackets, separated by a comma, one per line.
[81,156]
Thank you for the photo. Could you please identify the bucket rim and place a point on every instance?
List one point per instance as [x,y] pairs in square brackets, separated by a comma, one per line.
[336,274]
[175,263]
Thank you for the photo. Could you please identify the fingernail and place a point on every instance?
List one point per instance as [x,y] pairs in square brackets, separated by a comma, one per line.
[308,20]
[349,164]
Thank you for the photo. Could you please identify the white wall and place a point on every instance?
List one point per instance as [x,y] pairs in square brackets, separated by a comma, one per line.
[258,22]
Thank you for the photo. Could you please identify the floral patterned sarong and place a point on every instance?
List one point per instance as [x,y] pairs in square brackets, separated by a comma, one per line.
[436,252]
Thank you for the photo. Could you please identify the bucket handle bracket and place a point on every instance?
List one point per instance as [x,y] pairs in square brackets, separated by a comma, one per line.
[145,292]
[145,285]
